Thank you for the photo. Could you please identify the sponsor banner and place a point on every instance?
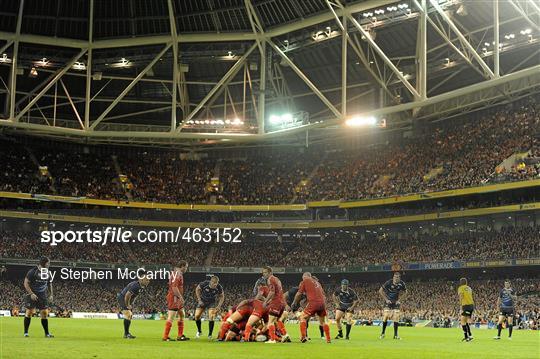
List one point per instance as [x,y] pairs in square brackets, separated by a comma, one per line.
[439,265]
[89,315]
[5,313]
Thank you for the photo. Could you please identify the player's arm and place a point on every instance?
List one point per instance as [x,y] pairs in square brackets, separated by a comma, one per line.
[28,289]
[335,298]
[51,296]
[271,294]
[355,302]
[127,299]
[220,300]
[198,291]
[383,294]
[296,302]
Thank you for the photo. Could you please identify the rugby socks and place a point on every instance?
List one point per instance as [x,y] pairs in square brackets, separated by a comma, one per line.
[247,332]
[281,327]
[499,329]
[303,329]
[224,329]
[326,329]
[272,331]
[396,326]
[45,325]
[168,326]
[469,330]
[127,323]
[210,327]
[465,332]
[198,322]
[348,329]
[180,328]
[321,330]
[510,327]
[384,324]
[27,324]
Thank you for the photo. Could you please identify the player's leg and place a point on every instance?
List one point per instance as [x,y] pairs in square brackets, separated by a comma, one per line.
[229,323]
[386,315]
[396,314]
[44,314]
[324,323]
[27,319]
[348,324]
[510,324]
[180,336]
[469,322]
[211,317]
[198,314]
[127,323]
[304,319]
[463,320]
[272,319]
[500,322]
[339,316]
[171,315]
[253,318]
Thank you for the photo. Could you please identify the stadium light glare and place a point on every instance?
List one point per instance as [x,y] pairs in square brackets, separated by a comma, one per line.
[361,121]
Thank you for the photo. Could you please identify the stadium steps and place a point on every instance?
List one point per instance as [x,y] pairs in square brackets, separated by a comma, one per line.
[209,257]
[305,181]
[35,161]
[119,174]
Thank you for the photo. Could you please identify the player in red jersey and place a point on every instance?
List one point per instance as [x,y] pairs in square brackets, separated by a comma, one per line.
[275,305]
[316,305]
[175,301]
[259,310]
[237,316]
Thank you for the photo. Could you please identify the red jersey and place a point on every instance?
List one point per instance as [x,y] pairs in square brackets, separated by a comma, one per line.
[313,290]
[263,292]
[274,285]
[176,279]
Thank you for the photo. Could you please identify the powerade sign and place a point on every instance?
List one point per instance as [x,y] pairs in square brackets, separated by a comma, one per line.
[439,265]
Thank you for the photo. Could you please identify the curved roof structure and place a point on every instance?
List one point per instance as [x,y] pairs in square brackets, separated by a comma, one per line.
[207,71]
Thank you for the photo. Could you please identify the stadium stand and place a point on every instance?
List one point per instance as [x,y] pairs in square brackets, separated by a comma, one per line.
[284,177]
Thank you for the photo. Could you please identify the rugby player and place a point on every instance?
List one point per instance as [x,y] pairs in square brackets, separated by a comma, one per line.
[315,305]
[206,293]
[259,311]
[506,303]
[175,301]
[37,284]
[390,292]
[467,307]
[236,319]
[127,297]
[275,306]
[346,300]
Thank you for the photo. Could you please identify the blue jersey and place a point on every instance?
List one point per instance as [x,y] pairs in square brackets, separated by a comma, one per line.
[507,298]
[134,288]
[209,294]
[347,297]
[38,280]
[392,290]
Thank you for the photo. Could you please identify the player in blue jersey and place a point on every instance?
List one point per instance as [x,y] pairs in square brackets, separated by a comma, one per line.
[39,291]
[506,303]
[209,296]
[345,300]
[127,297]
[390,292]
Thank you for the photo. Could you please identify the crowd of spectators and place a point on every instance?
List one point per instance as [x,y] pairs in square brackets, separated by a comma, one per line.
[342,249]
[453,154]
[426,300]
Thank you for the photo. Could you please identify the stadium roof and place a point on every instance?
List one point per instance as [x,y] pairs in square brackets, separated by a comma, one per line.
[103,69]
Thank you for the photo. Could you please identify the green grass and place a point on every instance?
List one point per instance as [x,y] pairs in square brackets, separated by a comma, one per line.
[82,338]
